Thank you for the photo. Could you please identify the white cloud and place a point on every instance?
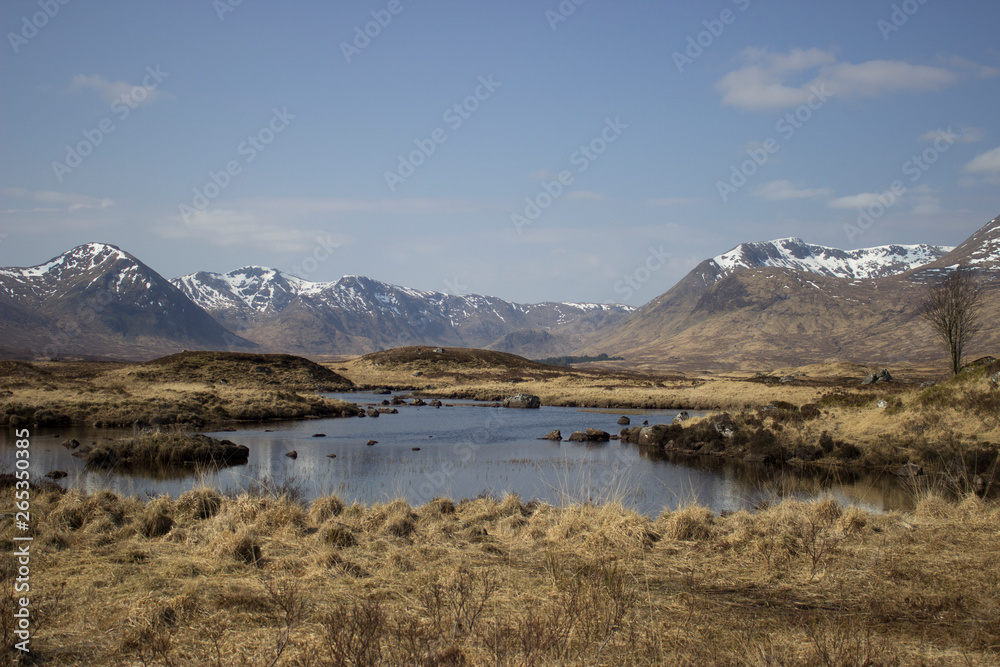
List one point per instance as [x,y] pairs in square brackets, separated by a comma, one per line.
[112,91]
[785,190]
[985,163]
[776,80]
[863,200]
[56,201]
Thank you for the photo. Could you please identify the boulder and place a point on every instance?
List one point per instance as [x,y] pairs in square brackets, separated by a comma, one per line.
[435,403]
[439,350]
[523,401]
[418,402]
[787,378]
[396,400]
[995,379]
[381,391]
[682,416]
[624,421]
[319,435]
[590,435]
[869,379]
[372,412]
[388,411]
[71,444]
[292,454]
[371,442]
[331,456]
[554,435]
[883,376]
[418,374]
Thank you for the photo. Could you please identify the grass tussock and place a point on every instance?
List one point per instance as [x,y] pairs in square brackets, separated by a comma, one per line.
[264,579]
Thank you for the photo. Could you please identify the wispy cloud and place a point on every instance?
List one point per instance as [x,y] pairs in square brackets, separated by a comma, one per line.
[985,163]
[116,90]
[767,80]
[672,201]
[785,190]
[292,224]
[585,195]
[52,201]
[862,200]
[964,135]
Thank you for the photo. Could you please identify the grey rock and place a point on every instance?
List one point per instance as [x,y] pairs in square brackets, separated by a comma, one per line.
[788,378]
[418,402]
[624,421]
[883,376]
[372,412]
[682,416]
[522,401]
[554,435]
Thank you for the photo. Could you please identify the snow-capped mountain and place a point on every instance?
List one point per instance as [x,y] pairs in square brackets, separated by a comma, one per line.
[96,300]
[796,254]
[786,302]
[358,314]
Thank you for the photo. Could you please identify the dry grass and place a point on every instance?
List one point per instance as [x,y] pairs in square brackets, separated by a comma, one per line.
[264,580]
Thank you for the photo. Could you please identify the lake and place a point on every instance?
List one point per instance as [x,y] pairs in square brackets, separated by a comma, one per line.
[465,450]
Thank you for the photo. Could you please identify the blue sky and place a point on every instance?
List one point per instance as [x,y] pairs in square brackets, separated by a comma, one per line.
[591,142]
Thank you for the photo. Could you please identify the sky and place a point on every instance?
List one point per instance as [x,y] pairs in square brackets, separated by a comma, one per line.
[546,150]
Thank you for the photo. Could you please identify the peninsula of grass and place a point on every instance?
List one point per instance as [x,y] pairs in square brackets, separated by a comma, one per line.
[190,388]
[165,450]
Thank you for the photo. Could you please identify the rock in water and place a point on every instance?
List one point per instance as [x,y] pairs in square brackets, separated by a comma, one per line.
[682,416]
[523,401]
[554,435]
[292,454]
[624,421]
[372,412]
[371,442]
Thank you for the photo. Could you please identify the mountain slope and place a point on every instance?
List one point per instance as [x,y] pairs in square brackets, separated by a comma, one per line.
[97,300]
[789,303]
[358,315]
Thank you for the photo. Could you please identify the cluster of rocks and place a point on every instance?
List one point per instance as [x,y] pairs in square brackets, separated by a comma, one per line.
[874,378]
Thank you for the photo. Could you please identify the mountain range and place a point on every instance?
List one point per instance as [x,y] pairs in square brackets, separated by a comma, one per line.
[761,303]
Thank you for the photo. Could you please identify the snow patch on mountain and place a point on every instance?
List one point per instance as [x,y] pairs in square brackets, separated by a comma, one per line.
[863,263]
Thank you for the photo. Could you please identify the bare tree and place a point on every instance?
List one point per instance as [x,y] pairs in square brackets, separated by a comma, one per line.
[953,308]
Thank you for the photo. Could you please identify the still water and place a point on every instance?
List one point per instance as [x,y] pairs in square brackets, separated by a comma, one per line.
[464,450]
